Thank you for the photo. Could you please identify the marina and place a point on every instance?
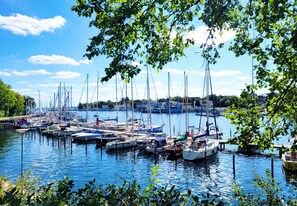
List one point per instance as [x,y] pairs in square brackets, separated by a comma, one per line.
[52,158]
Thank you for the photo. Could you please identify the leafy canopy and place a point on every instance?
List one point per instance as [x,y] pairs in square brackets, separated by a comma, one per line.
[152,32]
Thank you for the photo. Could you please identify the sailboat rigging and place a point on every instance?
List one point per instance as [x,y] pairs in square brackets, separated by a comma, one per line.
[205,142]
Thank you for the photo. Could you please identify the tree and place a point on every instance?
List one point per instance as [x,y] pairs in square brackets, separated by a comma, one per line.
[7,99]
[152,33]
[19,105]
[110,104]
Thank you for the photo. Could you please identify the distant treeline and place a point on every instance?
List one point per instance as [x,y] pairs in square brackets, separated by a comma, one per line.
[12,103]
[218,101]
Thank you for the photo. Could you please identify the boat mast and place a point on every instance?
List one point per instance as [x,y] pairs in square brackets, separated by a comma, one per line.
[169,109]
[186,101]
[149,119]
[59,102]
[132,107]
[39,102]
[207,73]
[126,102]
[116,79]
[97,94]
[87,98]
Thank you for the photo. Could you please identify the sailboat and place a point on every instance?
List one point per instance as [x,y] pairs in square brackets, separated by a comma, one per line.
[205,144]
[175,150]
[149,128]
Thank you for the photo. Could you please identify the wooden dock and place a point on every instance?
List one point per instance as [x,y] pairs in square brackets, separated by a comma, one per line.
[280,147]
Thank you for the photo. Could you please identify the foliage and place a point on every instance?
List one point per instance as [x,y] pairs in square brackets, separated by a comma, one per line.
[267,192]
[266,30]
[26,191]
[154,33]
[12,103]
[7,98]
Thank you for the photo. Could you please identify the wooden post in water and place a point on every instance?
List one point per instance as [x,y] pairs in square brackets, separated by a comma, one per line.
[233,165]
[101,146]
[86,146]
[64,141]
[280,152]
[272,167]
[71,144]
[58,141]
[22,132]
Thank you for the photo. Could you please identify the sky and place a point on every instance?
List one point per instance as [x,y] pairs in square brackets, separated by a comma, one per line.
[43,42]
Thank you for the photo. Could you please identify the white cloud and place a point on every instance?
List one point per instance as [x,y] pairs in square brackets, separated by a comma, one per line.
[178,71]
[56,59]
[24,25]
[49,85]
[224,73]
[30,72]
[172,71]
[85,61]
[200,35]
[6,74]
[65,75]
[245,78]
[23,82]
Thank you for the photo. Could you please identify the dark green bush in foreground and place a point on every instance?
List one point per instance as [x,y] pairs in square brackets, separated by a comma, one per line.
[27,192]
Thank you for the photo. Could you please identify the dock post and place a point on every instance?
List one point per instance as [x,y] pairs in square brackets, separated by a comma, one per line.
[101,146]
[58,141]
[280,152]
[86,146]
[71,144]
[233,165]
[116,149]
[64,141]
[272,167]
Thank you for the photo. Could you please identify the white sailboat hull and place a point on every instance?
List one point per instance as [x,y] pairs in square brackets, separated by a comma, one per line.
[115,145]
[192,152]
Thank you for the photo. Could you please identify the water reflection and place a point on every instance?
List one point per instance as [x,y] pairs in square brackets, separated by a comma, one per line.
[291,177]
[53,158]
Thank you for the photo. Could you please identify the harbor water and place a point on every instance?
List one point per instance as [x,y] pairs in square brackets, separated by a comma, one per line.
[54,158]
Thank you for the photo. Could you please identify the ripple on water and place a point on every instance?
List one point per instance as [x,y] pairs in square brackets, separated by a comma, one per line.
[52,159]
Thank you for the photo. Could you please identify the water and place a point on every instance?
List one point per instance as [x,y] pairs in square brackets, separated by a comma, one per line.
[52,159]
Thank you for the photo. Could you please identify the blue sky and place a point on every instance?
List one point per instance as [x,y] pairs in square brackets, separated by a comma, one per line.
[42,43]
